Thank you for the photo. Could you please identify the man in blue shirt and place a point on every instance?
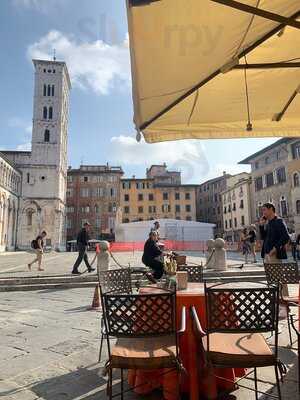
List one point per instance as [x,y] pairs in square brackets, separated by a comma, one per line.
[274,234]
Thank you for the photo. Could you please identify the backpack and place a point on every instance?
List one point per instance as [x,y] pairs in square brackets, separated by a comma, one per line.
[34,244]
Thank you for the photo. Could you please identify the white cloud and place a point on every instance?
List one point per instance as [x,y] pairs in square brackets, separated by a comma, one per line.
[24,147]
[187,156]
[92,65]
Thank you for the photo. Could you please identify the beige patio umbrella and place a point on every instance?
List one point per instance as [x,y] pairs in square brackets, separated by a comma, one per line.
[215,68]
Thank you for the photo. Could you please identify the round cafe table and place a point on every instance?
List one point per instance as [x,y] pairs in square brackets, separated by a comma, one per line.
[199,380]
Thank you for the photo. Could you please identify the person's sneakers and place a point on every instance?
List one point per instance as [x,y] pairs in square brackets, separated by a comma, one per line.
[75,272]
[91,269]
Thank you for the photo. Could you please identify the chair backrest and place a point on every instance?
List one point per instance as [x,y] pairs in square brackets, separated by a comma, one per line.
[195,272]
[284,273]
[115,280]
[242,309]
[140,315]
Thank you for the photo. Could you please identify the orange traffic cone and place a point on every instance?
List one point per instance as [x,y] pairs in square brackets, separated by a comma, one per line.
[96,300]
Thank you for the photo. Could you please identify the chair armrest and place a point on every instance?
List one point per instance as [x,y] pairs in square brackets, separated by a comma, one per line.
[197,324]
[293,325]
[183,321]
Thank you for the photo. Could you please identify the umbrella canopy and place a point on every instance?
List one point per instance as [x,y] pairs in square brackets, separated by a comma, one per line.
[215,68]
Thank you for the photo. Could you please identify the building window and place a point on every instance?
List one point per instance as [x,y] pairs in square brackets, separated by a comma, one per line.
[45,112]
[47,135]
[267,160]
[98,223]
[177,208]
[150,197]
[219,210]
[69,192]
[235,222]
[229,208]
[140,197]
[49,90]
[85,179]
[28,177]
[50,112]
[296,179]
[270,179]
[97,209]
[188,208]
[242,204]
[29,218]
[188,196]
[298,206]
[126,185]
[165,196]
[126,210]
[243,220]
[52,90]
[233,207]
[141,210]
[258,183]
[177,196]
[99,192]
[230,223]
[296,150]
[45,90]
[69,223]
[256,165]
[281,176]
[84,192]
[112,192]
[226,225]
[225,211]
[126,197]
[283,207]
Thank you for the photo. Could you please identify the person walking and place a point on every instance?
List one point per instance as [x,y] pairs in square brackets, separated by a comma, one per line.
[38,246]
[293,240]
[82,243]
[252,240]
[275,236]
[245,244]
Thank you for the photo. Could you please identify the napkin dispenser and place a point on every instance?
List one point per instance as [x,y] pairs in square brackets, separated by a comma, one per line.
[182,280]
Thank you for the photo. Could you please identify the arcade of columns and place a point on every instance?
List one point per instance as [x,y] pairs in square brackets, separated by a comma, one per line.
[10,185]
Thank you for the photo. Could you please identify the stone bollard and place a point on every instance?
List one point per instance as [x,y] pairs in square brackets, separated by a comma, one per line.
[210,258]
[220,255]
[103,256]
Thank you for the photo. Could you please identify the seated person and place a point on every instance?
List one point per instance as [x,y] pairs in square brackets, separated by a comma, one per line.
[153,256]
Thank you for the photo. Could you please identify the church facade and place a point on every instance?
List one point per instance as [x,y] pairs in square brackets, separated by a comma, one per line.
[43,170]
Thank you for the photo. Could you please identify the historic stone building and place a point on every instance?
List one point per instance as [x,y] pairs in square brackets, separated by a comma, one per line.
[93,195]
[44,168]
[237,206]
[275,172]
[209,202]
[10,189]
[159,195]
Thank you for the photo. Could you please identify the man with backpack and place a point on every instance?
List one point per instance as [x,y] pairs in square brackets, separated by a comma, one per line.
[82,243]
[38,247]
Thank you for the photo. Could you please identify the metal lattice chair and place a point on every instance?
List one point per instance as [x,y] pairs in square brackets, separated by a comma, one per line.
[297,331]
[236,320]
[284,274]
[114,280]
[145,328]
[195,272]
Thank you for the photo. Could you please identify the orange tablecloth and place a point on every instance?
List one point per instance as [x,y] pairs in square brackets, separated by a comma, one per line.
[199,380]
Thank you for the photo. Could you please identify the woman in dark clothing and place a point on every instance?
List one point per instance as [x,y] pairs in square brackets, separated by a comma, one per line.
[152,256]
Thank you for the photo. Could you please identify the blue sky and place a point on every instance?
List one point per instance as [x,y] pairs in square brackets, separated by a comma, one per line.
[91,36]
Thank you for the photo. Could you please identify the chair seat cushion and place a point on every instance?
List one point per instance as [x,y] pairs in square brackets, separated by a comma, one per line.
[290,299]
[144,353]
[239,350]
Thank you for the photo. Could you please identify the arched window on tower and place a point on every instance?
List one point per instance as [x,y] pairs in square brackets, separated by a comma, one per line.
[29,217]
[52,90]
[298,206]
[45,90]
[47,135]
[296,180]
[45,112]
[49,90]
[50,112]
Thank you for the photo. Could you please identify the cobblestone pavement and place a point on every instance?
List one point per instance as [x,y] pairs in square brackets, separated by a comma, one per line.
[50,342]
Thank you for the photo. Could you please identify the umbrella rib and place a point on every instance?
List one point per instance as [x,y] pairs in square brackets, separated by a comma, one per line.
[289,21]
[268,65]
[216,73]
[278,117]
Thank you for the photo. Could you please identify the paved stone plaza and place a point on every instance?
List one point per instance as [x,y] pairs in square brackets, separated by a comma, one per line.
[50,342]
